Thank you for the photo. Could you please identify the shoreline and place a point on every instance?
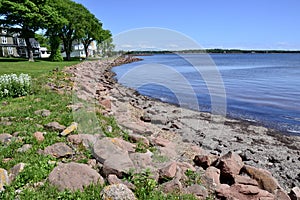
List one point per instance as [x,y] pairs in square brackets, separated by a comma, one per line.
[258,146]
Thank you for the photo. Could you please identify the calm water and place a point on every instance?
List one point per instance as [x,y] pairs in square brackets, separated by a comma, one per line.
[264,88]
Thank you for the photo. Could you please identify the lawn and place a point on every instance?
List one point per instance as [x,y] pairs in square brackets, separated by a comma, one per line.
[34,69]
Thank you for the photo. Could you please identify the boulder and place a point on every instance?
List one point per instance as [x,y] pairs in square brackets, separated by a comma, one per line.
[197,190]
[205,161]
[58,150]
[242,192]
[106,148]
[281,194]
[295,193]
[4,179]
[245,180]
[230,165]
[213,174]
[159,141]
[117,164]
[87,140]
[106,103]
[264,178]
[141,161]
[117,192]
[74,176]
[55,126]
[168,171]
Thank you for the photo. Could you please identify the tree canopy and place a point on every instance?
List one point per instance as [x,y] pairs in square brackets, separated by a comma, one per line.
[64,21]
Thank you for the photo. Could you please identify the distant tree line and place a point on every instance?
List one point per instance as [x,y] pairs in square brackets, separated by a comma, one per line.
[63,22]
[222,51]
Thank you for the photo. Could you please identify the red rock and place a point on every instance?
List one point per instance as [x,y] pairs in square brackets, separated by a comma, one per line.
[213,174]
[186,166]
[230,165]
[58,150]
[197,190]
[169,170]
[161,141]
[264,178]
[39,136]
[281,194]
[205,161]
[106,103]
[138,138]
[242,192]
[245,180]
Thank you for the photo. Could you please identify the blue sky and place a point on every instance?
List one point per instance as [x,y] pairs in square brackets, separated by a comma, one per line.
[256,24]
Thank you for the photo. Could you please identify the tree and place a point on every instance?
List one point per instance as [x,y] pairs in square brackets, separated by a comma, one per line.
[91,30]
[106,47]
[26,17]
[75,16]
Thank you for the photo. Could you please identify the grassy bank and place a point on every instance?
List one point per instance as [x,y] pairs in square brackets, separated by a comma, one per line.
[18,118]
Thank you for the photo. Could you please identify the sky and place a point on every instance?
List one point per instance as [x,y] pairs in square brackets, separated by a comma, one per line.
[230,24]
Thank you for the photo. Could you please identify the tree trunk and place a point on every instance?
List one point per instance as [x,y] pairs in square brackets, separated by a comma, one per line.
[29,50]
[86,51]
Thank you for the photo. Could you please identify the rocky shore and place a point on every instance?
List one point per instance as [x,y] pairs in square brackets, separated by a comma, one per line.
[210,157]
[185,129]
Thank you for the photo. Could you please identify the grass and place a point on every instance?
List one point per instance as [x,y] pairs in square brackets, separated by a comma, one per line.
[24,122]
[34,69]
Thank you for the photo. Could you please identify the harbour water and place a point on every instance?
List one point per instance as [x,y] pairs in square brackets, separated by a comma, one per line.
[262,88]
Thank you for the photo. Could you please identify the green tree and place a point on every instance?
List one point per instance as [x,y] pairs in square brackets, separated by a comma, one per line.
[26,17]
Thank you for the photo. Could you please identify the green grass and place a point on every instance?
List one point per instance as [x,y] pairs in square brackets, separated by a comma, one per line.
[34,69]
[20,112]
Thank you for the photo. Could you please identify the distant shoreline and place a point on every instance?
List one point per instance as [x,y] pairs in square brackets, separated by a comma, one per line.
[211,51]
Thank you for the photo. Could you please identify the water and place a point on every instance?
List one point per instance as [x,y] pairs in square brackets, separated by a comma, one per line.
[263,88]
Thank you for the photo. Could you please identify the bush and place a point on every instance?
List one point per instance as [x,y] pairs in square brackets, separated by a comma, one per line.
[12,85]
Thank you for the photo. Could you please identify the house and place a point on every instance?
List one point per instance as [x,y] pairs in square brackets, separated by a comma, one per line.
[7,43]
[78,49]
[12,45]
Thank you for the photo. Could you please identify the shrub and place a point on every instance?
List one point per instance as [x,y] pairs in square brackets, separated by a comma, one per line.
[12,85]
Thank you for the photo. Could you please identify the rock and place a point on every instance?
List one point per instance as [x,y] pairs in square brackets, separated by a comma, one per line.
[158,119]
[24,148]
[43,112]
[168,171]
[213,174]
[117,164]
[113,179]
[244,180]
[138,138]
[126,146]
[74,176]
[230,165]
[55,126]
[117,192]
[58,150]
[15,170]
[159,141]
[205,161]
[281,194]
[172,186]
[4,180]
[186,166]
[106,103]
[197,190]
[87,140]
[145,118]
[69,129]
[295,193]
[5,138]
[39,136]
[264,178]
[242,192]
[106,148]
[141,161]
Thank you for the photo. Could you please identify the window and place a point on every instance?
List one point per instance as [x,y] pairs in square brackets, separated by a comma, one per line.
[10,51]
[4,40]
